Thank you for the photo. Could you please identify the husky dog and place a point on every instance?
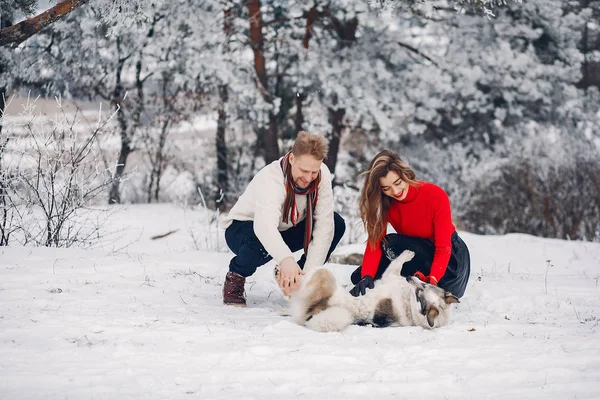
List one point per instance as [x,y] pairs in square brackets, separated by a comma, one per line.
[322,305]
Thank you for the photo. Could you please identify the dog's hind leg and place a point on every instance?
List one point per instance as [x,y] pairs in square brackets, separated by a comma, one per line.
[396,264]
[333,319]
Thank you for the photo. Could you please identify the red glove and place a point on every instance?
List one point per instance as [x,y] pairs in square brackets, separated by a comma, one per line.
[432,280]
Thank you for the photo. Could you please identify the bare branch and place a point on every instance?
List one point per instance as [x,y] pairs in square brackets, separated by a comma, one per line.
[418,52]
[17,34]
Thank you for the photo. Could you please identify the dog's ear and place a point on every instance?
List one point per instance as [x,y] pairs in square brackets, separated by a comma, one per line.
[432,312]
[450,298]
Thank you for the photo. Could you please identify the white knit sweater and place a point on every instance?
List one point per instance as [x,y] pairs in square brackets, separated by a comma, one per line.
[262,202]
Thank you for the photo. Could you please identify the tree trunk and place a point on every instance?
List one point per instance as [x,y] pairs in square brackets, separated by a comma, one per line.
[299,118]
[257,44]
[3,96]
[221,143]
[5,22]
[271,145]
[336,118]
[160,159]
[271,134]
[346,31]
[346,34]
[157,156]
[157,163]
[4,217]
[114,196]
[222,176]
[4,233]
[589,44]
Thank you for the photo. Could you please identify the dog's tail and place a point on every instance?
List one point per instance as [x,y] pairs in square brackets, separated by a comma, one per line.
[333,319]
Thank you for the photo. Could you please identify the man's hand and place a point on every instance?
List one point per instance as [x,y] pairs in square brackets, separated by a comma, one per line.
[361,287]
[289,276]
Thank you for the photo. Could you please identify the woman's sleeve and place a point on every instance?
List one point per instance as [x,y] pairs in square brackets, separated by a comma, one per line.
[371,260]
[442,235]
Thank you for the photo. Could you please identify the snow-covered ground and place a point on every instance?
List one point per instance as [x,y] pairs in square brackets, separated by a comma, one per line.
[146,322]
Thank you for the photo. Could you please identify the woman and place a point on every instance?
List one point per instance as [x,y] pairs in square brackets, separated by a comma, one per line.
[420,214]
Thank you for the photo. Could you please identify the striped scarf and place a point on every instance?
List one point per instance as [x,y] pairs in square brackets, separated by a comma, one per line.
[290,213]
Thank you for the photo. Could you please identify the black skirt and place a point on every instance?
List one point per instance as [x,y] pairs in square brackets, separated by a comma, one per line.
[457,273]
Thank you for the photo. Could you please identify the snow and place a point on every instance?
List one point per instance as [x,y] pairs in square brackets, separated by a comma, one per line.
[147,322]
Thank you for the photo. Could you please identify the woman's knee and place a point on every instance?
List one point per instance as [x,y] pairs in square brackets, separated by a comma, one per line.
[339,225]
[397,243]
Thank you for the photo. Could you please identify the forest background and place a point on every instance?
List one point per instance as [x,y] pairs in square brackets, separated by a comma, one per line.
[183,101]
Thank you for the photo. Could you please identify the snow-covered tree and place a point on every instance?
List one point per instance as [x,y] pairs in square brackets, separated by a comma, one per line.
[494,110]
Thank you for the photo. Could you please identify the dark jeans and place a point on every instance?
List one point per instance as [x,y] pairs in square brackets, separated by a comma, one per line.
[457,273]
[251,254]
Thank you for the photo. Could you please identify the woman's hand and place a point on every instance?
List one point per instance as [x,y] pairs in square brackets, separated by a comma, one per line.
[361,287]
[432,280]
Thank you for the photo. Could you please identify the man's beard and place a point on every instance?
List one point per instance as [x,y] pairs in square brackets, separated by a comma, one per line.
[302,184]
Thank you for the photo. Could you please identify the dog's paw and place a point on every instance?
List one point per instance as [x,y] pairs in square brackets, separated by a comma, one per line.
[287,297]
[406,256]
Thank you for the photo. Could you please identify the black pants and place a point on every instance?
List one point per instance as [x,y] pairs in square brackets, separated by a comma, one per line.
[251,254]
[457,273]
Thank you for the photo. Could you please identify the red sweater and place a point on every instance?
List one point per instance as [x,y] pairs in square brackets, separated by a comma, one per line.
[424,213]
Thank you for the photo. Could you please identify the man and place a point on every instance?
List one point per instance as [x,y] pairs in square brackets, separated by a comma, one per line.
[286,207]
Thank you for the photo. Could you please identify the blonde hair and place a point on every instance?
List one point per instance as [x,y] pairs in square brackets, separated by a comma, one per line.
[374,205]
[307,143]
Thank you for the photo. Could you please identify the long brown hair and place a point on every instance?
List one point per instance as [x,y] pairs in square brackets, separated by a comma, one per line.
[374,205]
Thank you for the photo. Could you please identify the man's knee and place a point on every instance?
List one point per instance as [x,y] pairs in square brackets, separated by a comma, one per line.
[252,249]
[250,256]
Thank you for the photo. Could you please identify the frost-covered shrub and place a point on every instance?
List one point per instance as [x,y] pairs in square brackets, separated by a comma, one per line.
[51,178]
[549,187]
[527,195]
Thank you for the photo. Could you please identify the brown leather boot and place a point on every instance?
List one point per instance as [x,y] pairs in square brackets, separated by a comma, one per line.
[233,290]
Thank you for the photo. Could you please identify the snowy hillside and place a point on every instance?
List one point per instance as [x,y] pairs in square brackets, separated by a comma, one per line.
[147,322]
